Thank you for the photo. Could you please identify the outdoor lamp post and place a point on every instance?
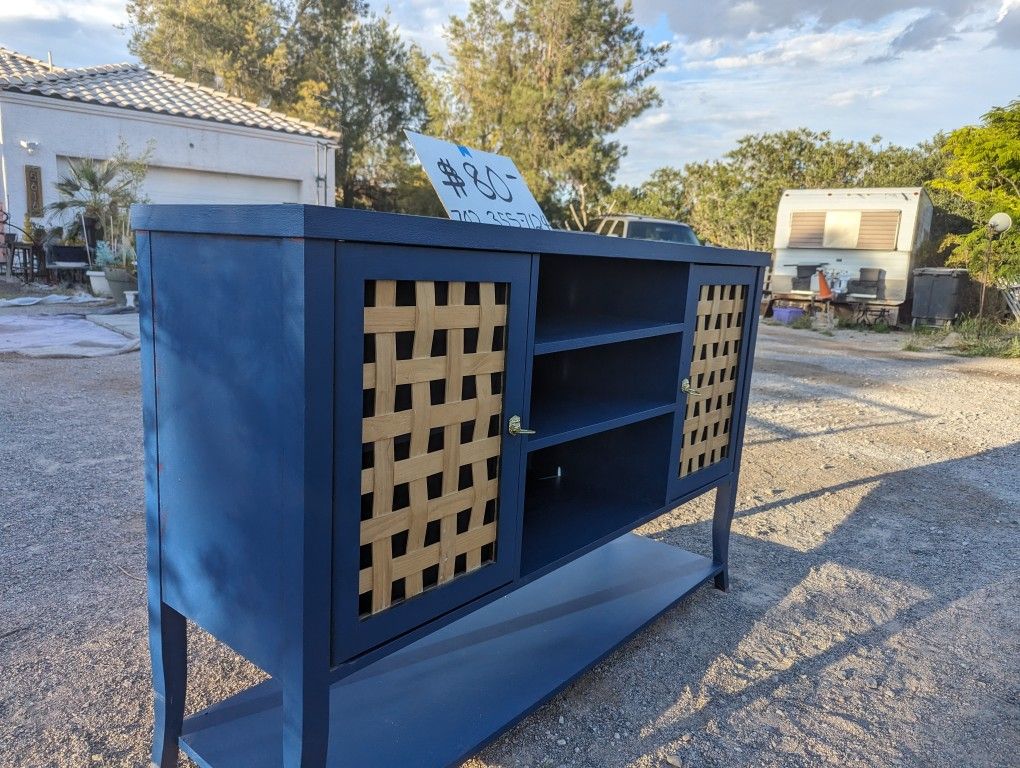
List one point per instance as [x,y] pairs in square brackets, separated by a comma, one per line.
[996,225]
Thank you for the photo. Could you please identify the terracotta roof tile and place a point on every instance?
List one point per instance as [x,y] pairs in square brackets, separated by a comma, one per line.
[131,86]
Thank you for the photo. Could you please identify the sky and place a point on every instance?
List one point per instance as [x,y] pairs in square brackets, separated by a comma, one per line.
[899,69]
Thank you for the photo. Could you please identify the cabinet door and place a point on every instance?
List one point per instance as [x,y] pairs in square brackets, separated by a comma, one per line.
[430,354]
[719,319]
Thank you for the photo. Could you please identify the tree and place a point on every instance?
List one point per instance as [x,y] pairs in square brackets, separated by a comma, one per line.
[733,201]
[661,196]
[328,61]
[547,82]
[359,80]
[102,191]
[982,175]
[235,45]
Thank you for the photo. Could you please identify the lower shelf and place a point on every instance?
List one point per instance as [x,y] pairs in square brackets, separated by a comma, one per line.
[435,702]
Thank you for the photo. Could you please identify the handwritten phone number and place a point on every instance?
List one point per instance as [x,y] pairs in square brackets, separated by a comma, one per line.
[520,219]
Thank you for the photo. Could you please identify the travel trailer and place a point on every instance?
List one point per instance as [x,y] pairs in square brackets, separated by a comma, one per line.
[864,241]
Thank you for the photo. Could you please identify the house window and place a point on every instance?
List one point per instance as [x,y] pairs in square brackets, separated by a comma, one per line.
[879,230]
[807,229]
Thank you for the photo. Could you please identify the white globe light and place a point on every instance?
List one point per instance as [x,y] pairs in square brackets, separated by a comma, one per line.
[999,223]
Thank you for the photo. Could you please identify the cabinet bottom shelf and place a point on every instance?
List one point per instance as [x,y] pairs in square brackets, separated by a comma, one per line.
[437,701]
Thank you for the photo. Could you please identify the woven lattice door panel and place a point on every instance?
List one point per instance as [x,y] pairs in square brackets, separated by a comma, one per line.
[433,400]
[715,363]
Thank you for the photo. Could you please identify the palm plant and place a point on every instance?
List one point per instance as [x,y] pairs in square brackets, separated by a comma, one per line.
[102,190]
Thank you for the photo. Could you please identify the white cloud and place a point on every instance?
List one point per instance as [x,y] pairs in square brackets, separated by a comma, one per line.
[422,21]
[737,19]
[854,95]
[95,12]
[903,101]
[737,67]
[1005,8]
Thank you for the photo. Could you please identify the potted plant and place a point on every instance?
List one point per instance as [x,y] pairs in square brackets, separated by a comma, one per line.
[98,283]
[98,195]
[118,261]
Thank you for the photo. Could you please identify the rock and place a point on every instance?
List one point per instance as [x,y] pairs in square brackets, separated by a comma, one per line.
[561,742]
[674,761]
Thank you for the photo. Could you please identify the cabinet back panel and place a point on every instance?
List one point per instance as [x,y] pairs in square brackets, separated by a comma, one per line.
[646,368]
[653,290]
[582,490]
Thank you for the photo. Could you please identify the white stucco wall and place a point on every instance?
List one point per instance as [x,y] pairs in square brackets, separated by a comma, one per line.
[193,160]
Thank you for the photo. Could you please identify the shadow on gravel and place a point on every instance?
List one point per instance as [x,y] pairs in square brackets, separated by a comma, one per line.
[785,432]
[885,570]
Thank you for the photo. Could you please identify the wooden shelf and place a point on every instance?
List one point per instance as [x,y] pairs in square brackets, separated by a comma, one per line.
[542,636]
[579,492]
[560,519]
[580,416]
[583,391]
[557,334]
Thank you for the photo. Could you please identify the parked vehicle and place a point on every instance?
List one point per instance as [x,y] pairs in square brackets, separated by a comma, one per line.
[865,241]
[646,228]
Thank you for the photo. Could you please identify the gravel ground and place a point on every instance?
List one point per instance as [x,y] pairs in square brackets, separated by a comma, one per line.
[873,619]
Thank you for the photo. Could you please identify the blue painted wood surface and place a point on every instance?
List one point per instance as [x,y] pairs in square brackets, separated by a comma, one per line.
[580,331]
[252,398]
[310,221]
[437,701]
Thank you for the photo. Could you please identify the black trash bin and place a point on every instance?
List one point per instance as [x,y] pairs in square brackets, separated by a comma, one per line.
[941,295]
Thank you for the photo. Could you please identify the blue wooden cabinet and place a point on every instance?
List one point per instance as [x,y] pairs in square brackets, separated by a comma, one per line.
[395,462]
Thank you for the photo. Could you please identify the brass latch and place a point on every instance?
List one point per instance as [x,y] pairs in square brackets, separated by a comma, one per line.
[685,387]
[515,428]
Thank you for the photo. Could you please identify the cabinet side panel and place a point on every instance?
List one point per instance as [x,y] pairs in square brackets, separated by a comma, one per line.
[228,348]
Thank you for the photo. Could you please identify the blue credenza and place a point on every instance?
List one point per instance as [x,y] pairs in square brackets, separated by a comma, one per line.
[395,463]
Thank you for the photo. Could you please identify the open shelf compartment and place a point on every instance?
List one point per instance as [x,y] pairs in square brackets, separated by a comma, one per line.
[582,491]
[585,302]
[580,392]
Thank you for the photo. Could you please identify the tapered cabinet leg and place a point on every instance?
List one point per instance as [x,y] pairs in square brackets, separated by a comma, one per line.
[305,725]
[168,644]
[725,504]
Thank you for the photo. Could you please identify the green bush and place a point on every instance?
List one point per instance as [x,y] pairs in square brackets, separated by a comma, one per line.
[978,337]
[804,322]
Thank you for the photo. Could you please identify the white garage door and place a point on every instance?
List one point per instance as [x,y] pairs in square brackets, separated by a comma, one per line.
[182,185]
[178,185]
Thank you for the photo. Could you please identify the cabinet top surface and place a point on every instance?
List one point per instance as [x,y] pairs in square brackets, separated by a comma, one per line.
[322,222]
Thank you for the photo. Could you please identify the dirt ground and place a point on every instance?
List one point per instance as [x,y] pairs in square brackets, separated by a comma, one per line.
[874,618]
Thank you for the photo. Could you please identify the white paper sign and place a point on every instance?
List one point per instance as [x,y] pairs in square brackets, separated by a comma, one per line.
[478,186]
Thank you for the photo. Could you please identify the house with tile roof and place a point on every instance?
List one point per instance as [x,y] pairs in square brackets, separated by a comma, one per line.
[205,146]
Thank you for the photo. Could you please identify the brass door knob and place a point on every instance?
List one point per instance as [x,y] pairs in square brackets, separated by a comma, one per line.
[685,387]
[515,428]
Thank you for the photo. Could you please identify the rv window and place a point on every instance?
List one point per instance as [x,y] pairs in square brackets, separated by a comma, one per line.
[841,228]
[807,229]
[879,230]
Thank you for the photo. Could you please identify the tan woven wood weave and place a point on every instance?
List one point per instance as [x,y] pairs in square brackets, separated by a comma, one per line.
[717,338]
[433,386]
